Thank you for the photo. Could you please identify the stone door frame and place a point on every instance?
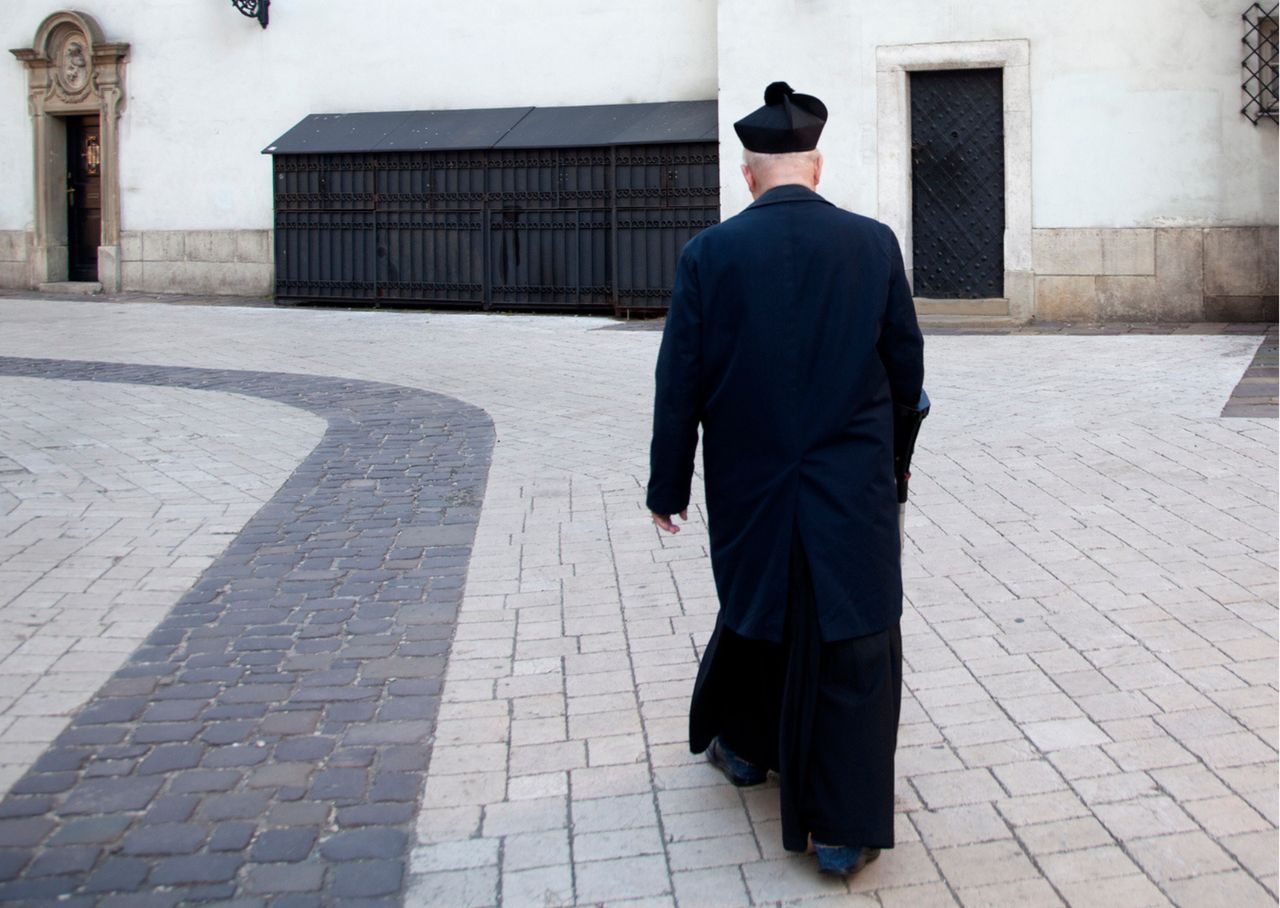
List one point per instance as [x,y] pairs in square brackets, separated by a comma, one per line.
[893,141]
[72,70]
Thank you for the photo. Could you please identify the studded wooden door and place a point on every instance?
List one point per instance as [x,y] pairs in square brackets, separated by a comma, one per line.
[957,183]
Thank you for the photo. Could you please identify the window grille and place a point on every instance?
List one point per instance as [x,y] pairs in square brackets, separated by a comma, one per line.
[1260,63]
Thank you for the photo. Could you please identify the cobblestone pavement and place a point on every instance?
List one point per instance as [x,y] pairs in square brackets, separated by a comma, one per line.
[113,500]
[264,738]
[1258,392]
[1090,633]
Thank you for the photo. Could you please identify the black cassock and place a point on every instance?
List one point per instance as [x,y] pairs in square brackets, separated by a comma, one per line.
[791,334]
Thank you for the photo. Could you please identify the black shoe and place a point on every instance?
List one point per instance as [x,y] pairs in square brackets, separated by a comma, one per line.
[735,769]
[844,860]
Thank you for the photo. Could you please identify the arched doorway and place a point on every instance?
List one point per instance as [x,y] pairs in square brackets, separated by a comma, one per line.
[75,95]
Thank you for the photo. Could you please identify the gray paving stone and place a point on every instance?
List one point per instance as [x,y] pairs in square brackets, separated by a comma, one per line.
[364,879]
[16,833]
[100,796]
[283,845]
[36,889]
[170,758]
[118,875]
[11,862]
[166,732]
[231,836]
[304,748]
[297,901]
[334,784]
[26,807]
[197,868]
[44,783]
[165,838]
[364,843]
[205,780]
[90,830]
[68,859]
[171,809]
[234,805]
[383,814]
[284,877]
[111,710]
[299,813]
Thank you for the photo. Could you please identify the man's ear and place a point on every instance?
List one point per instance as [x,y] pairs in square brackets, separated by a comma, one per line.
[817,170]
[749,177]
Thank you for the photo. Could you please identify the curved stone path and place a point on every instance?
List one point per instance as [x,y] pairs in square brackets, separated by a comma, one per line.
[269,737]
[114,499]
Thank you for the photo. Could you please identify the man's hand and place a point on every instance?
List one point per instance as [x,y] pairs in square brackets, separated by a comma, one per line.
[665,522]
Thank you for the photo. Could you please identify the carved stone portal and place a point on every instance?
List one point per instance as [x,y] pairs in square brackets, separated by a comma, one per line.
[72,70]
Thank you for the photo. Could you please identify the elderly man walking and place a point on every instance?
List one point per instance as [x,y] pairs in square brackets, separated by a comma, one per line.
[791,335]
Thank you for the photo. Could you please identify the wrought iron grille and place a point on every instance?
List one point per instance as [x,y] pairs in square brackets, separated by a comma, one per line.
[565,229]
[1260,64]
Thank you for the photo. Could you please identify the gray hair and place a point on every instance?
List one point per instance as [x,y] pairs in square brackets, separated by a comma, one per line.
[760,163]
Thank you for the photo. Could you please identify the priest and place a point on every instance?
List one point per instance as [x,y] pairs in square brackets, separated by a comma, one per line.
[790,338]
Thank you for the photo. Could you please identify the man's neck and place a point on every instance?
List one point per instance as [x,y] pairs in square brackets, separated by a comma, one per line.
[807,184]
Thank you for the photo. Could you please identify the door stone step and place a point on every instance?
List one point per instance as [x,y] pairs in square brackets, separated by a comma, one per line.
[962,323]
[87,288]
[986,307]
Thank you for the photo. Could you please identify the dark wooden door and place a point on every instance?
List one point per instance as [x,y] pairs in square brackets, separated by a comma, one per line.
[957,183]
[84,197]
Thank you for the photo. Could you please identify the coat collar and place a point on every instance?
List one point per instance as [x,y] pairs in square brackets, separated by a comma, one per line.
[790,192]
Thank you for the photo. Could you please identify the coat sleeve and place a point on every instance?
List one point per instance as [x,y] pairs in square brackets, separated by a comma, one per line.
[677,406]
[901,346]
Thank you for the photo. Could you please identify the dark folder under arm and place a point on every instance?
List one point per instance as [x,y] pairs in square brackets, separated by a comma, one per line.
[906,426]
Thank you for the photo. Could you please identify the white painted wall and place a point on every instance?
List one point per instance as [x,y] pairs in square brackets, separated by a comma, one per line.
[1135,104]
[17,170]
[208,88]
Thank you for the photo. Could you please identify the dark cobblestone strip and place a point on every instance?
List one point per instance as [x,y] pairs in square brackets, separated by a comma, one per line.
[1258,392]
[266,743]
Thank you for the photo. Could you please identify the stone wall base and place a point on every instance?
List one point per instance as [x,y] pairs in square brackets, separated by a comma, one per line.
[15,259]
[235,262]
[1141,274]
[1160,274]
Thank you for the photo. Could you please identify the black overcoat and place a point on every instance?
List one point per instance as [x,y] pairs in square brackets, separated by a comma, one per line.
[790,335]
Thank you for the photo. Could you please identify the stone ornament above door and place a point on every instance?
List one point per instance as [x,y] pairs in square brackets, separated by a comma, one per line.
[71,63]
[73,70]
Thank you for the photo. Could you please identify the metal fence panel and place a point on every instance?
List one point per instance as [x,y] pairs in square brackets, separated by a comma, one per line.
[325,255]
[568,229]
[431,255]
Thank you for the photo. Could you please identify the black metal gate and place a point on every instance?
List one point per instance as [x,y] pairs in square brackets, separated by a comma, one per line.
[957,183]
[566,229]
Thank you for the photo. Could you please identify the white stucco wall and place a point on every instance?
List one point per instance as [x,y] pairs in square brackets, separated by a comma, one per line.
[208,88]
[16,166]
[1135,105]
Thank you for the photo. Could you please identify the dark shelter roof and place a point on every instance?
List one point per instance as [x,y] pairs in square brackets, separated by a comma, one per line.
[501,127]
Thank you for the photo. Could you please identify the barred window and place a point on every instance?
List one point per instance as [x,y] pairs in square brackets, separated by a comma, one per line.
[1260,64]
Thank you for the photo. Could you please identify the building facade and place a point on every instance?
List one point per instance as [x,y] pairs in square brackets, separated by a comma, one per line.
[1085,161]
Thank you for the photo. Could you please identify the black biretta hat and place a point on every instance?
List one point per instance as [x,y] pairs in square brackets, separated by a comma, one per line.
[787,122]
